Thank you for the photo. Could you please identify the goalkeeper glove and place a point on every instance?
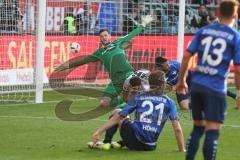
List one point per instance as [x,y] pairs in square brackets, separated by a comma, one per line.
[146,20]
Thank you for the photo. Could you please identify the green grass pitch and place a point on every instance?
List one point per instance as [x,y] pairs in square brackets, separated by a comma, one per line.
[33,132]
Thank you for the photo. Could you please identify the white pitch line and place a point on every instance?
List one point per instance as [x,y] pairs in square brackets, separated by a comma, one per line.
[225,125]
[48,118]
[100,120]
[29,117]
[231,87]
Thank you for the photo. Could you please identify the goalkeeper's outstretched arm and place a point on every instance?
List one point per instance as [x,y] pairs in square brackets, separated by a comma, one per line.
[145,21]
[76,63]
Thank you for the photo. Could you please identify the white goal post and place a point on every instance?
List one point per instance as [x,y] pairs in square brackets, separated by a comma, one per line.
[181,27]
[40,43]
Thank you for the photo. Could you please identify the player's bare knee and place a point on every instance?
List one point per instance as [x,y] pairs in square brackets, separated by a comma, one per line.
[116,111]
[184,107]
[121,122]
[211,125]
[200,123]
[184,104]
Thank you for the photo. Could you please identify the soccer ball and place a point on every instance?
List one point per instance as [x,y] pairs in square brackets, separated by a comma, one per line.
[75,47]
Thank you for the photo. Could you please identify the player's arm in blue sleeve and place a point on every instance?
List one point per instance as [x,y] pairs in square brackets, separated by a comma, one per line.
[173,112]
[129,108]
[192,48]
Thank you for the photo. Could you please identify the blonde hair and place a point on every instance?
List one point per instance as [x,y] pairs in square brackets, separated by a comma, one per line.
[157,81]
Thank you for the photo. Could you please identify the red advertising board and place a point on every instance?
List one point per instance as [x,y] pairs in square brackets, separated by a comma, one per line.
[19,52]
[17,55]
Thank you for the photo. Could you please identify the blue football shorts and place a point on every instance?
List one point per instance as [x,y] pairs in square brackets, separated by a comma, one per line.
[207,106]
[130,139]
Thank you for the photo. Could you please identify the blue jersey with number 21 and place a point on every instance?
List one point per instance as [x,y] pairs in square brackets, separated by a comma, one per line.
[216,45]
[151,113]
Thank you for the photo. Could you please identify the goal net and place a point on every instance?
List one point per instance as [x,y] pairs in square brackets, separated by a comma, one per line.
[17,50]
[80,21]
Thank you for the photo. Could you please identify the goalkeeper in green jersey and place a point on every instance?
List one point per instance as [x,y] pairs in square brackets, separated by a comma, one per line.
[112,55]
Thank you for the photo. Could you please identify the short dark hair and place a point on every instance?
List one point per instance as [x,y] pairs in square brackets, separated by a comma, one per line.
[135,86]
[135,81]
[103,30]
[159,60]
[228,8]
[157,80]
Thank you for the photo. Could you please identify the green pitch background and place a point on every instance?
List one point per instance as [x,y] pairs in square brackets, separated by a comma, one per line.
[33,132]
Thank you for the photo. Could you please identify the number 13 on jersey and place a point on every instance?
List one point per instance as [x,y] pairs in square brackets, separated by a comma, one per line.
[218,47]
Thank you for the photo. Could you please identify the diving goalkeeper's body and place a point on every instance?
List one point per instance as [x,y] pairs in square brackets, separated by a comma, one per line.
[112,55]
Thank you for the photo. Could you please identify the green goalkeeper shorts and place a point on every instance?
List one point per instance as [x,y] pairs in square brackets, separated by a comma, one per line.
[110,91]
[116,101]
[114,89]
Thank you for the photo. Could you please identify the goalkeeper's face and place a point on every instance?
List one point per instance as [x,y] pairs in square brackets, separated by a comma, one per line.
[105,37]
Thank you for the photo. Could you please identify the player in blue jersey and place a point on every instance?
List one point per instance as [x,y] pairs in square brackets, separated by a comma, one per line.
[134,85]
[171,68]
[152,109]
[216,45]
[131,87]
